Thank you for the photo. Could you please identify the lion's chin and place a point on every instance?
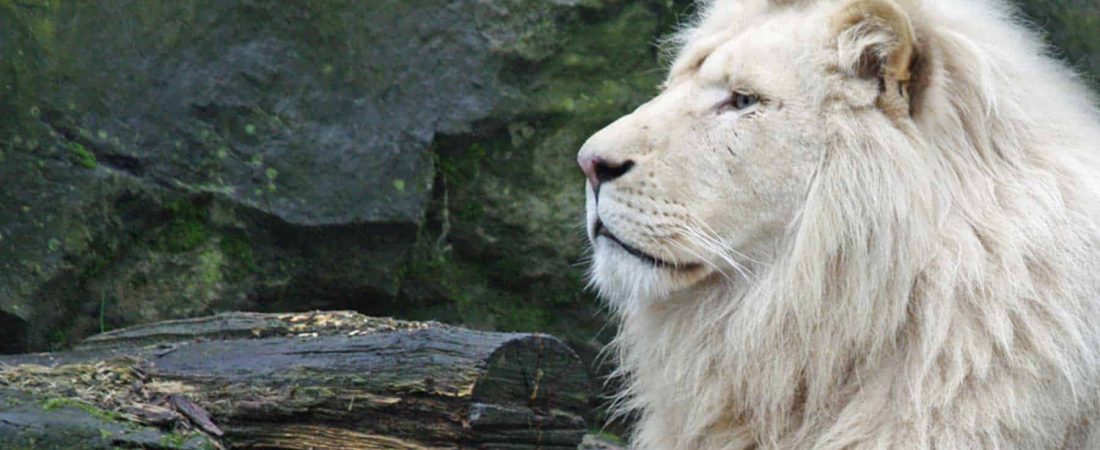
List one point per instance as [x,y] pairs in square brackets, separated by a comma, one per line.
[622,276]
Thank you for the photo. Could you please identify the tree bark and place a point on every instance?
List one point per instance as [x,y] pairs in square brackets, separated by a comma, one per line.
[301,381]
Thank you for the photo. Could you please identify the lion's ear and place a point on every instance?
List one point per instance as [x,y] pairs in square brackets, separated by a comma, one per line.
[875,40]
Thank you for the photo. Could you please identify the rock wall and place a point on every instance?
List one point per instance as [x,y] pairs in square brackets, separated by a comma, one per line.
[403,157]
[165,159]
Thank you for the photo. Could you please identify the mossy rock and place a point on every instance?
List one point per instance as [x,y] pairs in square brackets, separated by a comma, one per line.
[168,159]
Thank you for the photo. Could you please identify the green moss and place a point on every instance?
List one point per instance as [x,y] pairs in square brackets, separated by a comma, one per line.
[173,440]
[54,403]
[311,393]
[185,231]
[210,267]
[95,267]
[471,297]
[59,338]
[240,261]
[83,157]
[102,313]
[58,403]
[183,234]
[606,436]
[621,85]
[462,167]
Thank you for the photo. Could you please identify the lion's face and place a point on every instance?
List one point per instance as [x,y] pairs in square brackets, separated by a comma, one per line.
[717,165]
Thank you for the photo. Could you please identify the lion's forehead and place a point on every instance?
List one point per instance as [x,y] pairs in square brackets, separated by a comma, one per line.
[760,42]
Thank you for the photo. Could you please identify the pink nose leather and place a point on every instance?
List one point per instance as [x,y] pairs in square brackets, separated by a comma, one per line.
[588,166]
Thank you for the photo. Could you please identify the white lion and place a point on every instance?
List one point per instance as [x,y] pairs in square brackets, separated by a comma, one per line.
[855,224]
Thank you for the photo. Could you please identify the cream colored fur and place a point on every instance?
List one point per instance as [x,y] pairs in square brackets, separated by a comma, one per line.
[867,259]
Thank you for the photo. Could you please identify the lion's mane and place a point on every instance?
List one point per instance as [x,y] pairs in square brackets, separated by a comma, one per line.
[936,291]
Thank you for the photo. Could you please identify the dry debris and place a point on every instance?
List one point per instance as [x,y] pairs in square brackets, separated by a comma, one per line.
[118,390]
[325,323]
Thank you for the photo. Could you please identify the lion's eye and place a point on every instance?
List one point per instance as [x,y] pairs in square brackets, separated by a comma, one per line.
[741,101]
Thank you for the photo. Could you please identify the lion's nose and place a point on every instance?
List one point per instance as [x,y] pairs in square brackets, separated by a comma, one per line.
[600,171]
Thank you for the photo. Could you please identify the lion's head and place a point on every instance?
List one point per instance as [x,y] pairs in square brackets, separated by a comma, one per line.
[838,205]
[707,177]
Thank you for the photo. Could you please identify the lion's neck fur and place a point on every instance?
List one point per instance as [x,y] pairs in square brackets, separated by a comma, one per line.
[948,259]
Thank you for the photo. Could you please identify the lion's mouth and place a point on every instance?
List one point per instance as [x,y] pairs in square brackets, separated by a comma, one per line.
[602,230]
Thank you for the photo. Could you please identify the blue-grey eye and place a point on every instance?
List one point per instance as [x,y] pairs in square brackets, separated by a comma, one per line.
[742,101]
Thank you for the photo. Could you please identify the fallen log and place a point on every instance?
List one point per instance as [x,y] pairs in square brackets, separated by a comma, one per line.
[298,381]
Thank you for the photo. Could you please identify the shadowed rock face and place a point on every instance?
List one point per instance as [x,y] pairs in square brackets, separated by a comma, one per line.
[14,329]
[398,157]
[168,159]
[313,115]
[190,117]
